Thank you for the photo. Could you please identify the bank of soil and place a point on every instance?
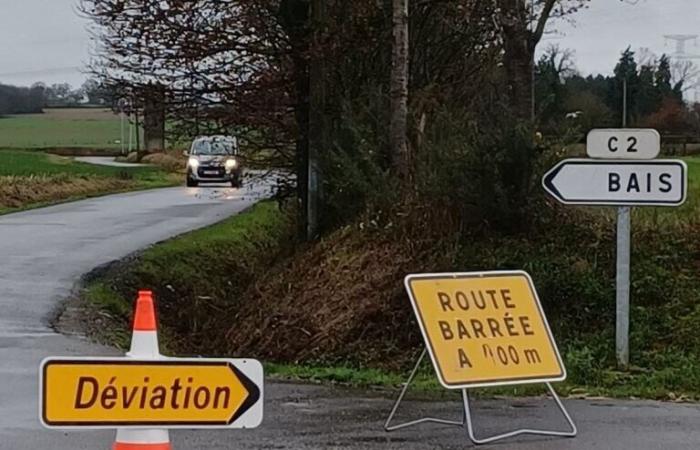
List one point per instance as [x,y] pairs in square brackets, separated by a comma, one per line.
[239,289]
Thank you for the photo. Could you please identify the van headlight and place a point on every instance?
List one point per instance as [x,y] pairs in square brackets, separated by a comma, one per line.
[193,163]
[231,164]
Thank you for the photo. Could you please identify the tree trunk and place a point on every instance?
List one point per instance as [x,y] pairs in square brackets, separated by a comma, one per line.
[302,143]
[317,118]
[399,90]
[519,64]
[296,18]
[519,44]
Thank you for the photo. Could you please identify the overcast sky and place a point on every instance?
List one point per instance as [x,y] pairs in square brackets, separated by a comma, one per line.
[45,40]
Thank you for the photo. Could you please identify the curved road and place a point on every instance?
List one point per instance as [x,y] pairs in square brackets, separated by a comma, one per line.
[45,251]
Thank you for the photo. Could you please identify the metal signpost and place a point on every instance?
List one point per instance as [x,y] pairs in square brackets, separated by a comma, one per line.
[483,329]
[623,173]
[624,251]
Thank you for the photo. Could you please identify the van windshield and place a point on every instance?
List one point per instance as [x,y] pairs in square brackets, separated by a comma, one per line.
[218,148]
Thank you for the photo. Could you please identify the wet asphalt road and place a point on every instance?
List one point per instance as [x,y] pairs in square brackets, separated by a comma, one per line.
[107,161]
[46,251]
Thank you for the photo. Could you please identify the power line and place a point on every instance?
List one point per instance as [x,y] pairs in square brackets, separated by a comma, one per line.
[49,71]
[681,55]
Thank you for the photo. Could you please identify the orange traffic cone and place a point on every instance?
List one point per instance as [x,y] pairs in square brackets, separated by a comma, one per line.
[144,345]
[144,340]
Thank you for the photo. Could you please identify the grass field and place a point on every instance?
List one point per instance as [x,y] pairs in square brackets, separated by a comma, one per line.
[31,178]
[28,163]
[61,128]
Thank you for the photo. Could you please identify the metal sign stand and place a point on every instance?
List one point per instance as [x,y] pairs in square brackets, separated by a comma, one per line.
[622,276]
[467,417]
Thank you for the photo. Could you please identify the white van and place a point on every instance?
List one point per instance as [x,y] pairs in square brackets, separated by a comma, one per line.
[214,159]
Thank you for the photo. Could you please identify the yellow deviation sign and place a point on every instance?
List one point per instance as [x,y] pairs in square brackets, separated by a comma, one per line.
[172,393]
[485,329]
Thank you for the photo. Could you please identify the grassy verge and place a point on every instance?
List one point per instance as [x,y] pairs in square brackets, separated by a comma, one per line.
[30,179]
[335,311]
[197,278]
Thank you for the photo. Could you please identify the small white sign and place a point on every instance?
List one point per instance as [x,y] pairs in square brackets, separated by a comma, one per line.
[630,143]
[618,183]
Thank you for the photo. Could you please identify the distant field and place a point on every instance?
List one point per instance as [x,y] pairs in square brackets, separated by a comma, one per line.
[57,128]
[33,178]
[28,163]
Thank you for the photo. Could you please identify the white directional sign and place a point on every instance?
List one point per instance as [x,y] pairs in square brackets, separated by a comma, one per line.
[618,183]
[626,143]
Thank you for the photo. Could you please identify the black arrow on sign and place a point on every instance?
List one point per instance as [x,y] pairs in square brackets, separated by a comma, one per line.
[253,393]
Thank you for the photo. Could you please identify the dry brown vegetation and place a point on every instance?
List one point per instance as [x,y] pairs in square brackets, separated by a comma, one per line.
[17,192]
[170,161]
[342,298]
[80,114]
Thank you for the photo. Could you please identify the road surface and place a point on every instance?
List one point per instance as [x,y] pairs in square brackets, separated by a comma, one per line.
[45,252]
[107,161]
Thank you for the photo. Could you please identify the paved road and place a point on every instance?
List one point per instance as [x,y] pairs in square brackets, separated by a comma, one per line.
[45,251]
[107,161]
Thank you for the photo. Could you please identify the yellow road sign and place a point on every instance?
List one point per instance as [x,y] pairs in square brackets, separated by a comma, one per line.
[169,393]
[484,329]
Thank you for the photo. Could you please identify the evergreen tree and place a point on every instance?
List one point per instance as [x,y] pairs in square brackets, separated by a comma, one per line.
[648,99]
[625,70]
[664,83]
[663,76]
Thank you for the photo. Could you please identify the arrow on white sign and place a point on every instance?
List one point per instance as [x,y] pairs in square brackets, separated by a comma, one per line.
[618,183]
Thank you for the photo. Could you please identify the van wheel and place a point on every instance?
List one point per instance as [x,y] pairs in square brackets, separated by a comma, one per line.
[191,182]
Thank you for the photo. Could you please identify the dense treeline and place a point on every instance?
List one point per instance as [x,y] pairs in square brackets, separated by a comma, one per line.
[18,100]
[33,100]
[655,88]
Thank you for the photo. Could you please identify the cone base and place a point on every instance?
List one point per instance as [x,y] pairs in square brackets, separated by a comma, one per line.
[131,446]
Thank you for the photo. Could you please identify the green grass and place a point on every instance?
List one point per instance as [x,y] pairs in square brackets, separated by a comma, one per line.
[664,384]
[665,216]
[195,275]
[61,128]
[39,176]
[28,163]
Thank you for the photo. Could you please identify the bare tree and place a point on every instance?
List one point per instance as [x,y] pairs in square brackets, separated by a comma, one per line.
[685,74]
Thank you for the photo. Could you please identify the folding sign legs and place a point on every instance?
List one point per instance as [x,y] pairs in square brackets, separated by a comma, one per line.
[487,440]
[467,420]
[389,427]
